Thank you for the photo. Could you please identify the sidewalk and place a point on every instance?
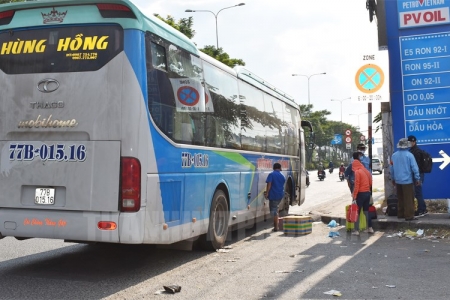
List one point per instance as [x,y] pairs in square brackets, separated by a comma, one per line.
[336,211]
[438,220]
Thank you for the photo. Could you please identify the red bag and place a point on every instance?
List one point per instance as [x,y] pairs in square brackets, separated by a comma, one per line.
[372,212]
[352,213]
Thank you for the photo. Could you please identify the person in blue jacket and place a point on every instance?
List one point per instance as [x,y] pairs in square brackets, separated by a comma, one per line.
[364,159]
[404,174]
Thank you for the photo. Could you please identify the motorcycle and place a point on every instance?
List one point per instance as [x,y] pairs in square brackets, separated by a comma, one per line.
[307,179]
[341,176]
[331,170]
[321,175]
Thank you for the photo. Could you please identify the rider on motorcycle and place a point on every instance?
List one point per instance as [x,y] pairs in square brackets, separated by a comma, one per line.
[341,172]
[321,170]
[341,169]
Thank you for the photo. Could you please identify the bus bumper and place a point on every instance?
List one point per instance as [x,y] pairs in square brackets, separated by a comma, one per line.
[51,224]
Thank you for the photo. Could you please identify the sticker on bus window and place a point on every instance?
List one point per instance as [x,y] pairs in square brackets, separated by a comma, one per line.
[59,49]
[189,94]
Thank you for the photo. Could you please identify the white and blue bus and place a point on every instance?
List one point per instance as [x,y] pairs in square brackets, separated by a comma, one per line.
[115,128]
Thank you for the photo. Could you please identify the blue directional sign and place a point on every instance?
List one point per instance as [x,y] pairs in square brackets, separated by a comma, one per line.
[337,139]
[425,66]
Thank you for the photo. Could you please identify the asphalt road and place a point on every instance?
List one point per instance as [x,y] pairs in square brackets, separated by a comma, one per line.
[259,264]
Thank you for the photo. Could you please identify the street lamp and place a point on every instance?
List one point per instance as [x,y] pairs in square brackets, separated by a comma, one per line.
[309,76]
[358,117]
[215,16]
[341,103]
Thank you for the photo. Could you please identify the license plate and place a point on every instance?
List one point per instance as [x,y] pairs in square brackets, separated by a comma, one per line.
[44,196]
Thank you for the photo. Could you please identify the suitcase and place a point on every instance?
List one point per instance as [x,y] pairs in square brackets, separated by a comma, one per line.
[392,205]
[297,225]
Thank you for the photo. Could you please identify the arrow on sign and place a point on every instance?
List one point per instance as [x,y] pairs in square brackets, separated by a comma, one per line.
[445,160]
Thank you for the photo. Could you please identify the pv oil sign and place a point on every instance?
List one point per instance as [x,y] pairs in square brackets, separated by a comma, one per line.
[419,55]
[414,13]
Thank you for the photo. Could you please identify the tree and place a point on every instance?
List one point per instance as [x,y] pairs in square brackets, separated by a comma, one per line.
[222,56]
[10,1]
[378,119]
[324,133]
[184,25]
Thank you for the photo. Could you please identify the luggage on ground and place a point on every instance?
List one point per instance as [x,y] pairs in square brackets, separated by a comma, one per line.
[372,212]
[392,205]
[297,225]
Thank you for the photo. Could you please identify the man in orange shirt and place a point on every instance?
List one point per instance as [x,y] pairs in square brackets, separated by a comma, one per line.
[361,190]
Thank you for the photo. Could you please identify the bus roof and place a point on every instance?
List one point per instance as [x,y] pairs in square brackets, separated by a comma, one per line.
[253,79]
[247,76]
[142,22]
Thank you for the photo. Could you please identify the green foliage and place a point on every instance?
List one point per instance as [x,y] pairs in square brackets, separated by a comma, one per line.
[378,119]
[10,1]
[324,132]
[184,25]
[222,56]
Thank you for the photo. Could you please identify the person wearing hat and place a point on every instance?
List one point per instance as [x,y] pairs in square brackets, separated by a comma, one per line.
[421,206]
[365,160]
[404,174]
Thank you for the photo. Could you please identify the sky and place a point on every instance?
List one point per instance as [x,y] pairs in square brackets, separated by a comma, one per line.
[279,38]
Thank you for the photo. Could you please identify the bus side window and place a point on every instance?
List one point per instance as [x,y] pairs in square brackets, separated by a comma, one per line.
[292,120]
[158,56]
[184,128]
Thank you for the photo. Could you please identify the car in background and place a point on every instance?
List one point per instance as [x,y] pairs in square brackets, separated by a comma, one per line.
[376,165]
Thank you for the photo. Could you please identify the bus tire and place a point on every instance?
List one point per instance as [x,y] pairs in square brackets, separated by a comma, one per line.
[218,223]
[284,210]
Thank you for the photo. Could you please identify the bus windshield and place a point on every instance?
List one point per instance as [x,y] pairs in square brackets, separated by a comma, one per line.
[59,49]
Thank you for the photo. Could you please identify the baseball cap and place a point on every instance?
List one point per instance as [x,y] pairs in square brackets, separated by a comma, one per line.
[412,138]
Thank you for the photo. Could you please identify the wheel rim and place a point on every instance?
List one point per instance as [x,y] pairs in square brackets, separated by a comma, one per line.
[219,218]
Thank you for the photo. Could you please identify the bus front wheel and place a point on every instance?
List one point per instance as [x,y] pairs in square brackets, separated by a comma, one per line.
[218,222]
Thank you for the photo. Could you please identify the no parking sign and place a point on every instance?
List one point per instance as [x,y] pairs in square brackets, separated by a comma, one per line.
[189,95]
[371,77]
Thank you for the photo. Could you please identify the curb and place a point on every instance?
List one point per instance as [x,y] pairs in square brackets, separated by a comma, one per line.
[385,224]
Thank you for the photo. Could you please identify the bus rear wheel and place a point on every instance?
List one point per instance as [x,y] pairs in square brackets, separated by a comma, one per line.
[218,223]
[283,209]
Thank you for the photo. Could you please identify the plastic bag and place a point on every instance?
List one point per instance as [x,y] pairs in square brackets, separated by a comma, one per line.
[362,221]
[352,213]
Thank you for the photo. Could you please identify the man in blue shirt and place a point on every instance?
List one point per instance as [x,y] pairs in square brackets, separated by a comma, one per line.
[275,192]
[404,171]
